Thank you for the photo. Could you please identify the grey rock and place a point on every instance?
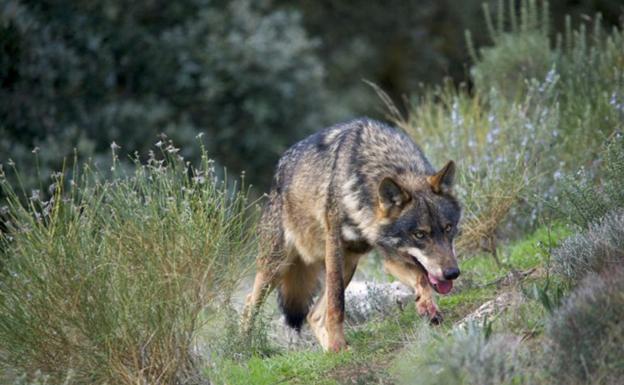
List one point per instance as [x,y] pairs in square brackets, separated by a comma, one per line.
[365,300]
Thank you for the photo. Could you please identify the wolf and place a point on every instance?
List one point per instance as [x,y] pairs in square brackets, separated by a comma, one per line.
[337,195]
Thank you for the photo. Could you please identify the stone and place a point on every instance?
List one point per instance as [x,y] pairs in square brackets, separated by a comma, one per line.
[365,300]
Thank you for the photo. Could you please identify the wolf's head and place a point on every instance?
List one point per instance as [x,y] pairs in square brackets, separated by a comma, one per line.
[420,219]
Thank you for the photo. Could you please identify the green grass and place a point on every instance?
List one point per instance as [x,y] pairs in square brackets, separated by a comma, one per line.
[304,367]
[530,252]
[482,273]
[455,306]
[372,345]
[534,249]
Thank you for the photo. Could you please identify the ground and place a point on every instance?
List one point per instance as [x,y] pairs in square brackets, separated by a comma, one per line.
[485,286]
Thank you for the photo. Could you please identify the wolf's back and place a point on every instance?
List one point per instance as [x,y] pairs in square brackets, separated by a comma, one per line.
[358,147]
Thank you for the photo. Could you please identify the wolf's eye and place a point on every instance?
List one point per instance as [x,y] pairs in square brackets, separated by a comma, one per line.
[419,234]
[448,228]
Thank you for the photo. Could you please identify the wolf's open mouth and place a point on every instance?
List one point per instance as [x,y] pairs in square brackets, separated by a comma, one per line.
[442,287]
[439,285]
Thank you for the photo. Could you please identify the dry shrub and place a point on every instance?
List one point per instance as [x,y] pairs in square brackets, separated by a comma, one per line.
[469,355]
[587,333]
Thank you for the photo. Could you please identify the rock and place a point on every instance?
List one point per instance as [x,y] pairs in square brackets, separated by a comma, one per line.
[364,300]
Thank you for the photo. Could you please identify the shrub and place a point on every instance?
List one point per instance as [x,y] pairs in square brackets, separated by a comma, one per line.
[466,356]
[587,64]
[502,151]
[520,53]
[591,194]
[599,249]
[587,333]
[109,280]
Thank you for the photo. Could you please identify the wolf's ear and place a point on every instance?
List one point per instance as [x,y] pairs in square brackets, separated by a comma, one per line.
[443,179]
[392,197]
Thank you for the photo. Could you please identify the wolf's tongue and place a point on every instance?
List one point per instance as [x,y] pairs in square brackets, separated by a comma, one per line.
[442,287]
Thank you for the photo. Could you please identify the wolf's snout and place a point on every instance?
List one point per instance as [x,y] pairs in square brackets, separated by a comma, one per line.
[451,273]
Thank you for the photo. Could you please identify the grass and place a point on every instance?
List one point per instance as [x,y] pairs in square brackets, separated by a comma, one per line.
[522,255]
[294,368]
[371,348]
[456,306]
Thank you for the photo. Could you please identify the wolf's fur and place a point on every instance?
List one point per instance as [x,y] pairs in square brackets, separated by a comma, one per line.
[335,196]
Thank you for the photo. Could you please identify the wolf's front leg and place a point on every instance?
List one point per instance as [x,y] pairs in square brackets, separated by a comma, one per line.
[327,317]
[334,291]
[416,278]
[318,316]
[326,321]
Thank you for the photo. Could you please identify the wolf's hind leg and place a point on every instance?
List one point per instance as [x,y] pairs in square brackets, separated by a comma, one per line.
[296,290]
[416,278]
[264,283]
[270,262]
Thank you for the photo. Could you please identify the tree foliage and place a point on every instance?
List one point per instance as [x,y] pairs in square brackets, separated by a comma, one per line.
[82,74]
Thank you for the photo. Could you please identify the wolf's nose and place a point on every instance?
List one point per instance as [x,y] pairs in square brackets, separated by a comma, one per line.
[451,273]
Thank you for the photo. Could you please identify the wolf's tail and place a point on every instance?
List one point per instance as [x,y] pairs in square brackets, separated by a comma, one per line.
[296,292]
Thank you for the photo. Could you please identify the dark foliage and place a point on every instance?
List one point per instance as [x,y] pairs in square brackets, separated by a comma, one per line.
[82,74]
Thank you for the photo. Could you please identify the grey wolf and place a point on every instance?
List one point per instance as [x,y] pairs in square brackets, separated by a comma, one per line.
[335,196]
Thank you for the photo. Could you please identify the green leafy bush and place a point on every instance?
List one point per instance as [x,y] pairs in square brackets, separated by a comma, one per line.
[587,333]
[109,280]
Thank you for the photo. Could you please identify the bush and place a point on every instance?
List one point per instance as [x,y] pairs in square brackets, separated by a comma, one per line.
[518,55]
[591,194]
[587,65]
[108,280]
[502,150]
[524,126]
[599,249]
[465,356]
[587,333]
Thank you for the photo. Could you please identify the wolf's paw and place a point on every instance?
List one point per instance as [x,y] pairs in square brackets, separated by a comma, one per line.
[338,345]
[428,308]
[436,319]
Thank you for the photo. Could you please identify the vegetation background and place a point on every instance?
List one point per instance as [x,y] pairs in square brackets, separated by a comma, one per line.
[253,76]
[127,224]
